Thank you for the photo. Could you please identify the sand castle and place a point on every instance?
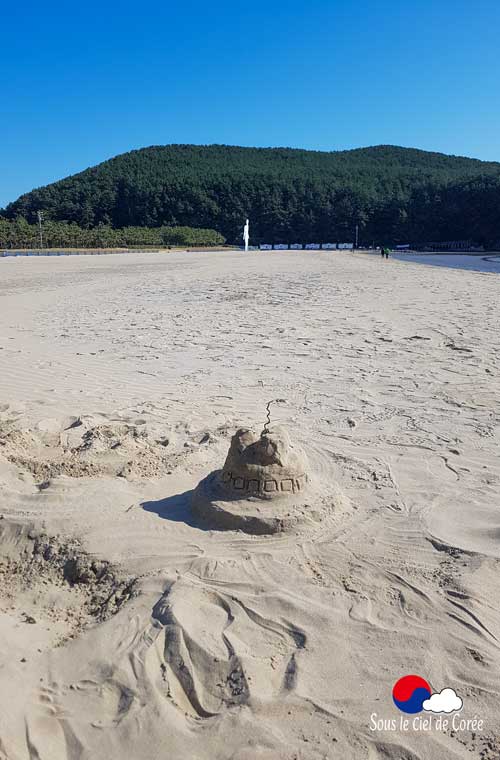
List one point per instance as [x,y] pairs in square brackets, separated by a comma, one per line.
[261,487]
[265,465]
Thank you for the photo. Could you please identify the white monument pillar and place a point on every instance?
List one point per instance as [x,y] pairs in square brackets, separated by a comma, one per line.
[246,234]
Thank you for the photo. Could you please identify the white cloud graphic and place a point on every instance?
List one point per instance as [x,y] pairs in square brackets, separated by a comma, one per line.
[445,701]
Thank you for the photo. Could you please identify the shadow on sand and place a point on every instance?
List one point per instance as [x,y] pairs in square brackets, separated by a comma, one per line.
[176,508]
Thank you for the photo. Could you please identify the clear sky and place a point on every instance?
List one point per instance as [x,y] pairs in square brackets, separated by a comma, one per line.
[82,82]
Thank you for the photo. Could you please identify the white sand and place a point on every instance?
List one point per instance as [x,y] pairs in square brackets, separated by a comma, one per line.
[113,369]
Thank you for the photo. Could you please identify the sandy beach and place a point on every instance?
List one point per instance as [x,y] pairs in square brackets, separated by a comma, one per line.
[128,629]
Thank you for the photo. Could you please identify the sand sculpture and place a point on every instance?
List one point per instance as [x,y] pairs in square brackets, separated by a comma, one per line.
[261,487]
[265,465]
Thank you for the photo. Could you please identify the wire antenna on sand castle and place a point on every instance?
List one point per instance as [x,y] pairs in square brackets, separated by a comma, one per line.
[268,410]
[263,487]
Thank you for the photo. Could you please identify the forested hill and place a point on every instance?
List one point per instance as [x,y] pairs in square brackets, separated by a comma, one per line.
[394,194]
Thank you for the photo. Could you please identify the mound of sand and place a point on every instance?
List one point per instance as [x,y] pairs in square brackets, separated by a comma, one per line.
[51,583]
[77,448]
[218,653]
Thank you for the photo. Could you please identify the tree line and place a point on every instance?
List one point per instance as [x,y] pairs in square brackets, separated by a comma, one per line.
[18,233]
[393,195]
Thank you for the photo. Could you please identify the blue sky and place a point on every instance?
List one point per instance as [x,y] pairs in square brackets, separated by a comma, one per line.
[83,82]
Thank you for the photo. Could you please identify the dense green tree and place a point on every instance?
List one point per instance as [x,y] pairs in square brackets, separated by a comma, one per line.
[393,195]
[18,233]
